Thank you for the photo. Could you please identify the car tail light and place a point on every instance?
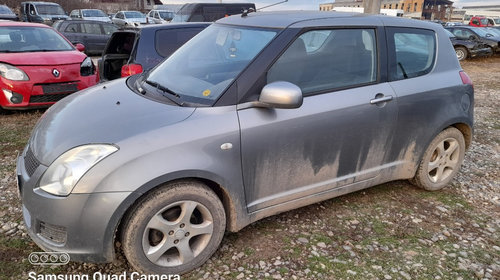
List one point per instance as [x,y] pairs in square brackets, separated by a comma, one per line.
[465,78]
[131,69]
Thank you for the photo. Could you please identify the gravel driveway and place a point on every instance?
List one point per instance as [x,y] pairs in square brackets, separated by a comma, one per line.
[391,231]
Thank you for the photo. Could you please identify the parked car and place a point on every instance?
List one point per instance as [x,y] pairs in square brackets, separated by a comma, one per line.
[129,18]
[159,16]
[476,34]
[94,35]
[90,14]
[257,114]
[38,66]
[468,48]
[139,49]
[42,12]
[7,14]
[481,22]
[208,12]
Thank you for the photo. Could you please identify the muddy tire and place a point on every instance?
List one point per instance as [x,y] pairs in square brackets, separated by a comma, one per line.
[174,229]
[441,161]
[462,53]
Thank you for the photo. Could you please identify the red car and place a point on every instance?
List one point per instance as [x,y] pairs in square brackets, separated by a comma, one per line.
[38,66]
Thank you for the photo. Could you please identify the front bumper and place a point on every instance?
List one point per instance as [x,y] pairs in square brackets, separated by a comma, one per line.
[40,95]
[82,225]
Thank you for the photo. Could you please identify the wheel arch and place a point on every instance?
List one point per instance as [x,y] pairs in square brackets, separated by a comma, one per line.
[466,131]
[115,227]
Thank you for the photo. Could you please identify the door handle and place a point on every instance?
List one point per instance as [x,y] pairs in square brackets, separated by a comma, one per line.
[380,98]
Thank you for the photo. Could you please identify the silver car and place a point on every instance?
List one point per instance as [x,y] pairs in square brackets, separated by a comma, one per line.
[258,114]
[129,18]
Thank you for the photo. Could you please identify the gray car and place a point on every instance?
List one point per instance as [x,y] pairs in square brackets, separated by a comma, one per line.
[257,114]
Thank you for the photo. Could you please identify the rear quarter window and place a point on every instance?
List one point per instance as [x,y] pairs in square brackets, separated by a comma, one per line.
[412,52]
[169,40]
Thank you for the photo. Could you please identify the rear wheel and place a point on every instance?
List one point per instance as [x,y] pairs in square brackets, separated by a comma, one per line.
[174,229]
[441,161]
[461,52]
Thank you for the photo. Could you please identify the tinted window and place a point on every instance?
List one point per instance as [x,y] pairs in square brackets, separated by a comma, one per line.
[328,59]
[92,28]
[109,29]
[169,40]
[412,52]
[72,28]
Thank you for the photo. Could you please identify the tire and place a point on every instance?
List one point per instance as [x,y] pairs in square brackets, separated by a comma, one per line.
[441,161]
[159,238]
[462,53]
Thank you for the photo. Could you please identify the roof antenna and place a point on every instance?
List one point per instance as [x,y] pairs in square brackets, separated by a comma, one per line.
[247,11]
[281,2]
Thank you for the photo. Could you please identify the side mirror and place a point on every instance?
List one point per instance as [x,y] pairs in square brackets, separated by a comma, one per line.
[80,47]
[281,94]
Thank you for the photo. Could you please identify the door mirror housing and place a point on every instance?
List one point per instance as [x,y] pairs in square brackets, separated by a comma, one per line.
[282,95]
[80,47]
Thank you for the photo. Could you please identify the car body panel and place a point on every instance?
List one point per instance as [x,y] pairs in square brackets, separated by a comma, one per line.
[94,35]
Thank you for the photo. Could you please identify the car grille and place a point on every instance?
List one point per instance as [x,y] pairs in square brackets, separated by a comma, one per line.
[53,233]
[30,162]
[47,98]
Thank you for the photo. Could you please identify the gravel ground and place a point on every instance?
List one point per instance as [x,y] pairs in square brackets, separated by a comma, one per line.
[391,231]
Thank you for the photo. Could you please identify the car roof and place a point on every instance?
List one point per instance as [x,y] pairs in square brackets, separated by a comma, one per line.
[165,26]
[85,21]
[24,24]
[283,19]
[41,2]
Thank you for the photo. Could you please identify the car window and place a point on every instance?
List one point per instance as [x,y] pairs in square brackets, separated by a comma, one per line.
[109,29]
[33,39]
[412,52]
[92,28]
[169,40]
[327,60]
[72,28]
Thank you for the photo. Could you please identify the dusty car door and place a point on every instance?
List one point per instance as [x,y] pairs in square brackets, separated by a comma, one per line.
[337,138]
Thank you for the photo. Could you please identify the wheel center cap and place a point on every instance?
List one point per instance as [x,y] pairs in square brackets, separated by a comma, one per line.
[179,234]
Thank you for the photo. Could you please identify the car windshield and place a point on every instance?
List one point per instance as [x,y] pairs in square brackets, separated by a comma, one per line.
[93,13]
[204,67]
[134,15]
[31,39]
[4,10]
[166,15]
[497,20]
[50,10]
[484,21]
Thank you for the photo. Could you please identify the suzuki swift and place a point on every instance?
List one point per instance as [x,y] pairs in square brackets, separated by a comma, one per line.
[257,114]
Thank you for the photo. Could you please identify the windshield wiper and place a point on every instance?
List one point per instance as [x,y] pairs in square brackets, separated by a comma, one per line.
[166,90]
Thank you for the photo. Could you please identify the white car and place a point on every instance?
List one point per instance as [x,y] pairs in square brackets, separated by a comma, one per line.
[129,18]
[89,14]
[159,16]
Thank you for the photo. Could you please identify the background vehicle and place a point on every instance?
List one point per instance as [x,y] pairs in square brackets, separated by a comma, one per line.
[38,66]
[90,14]
[7,14]
[94,35]
[207,12]
[476,34]
[42,12]
[159,16]
[468,48]
[135,50]
[129,18]
[481,22]
[254,116]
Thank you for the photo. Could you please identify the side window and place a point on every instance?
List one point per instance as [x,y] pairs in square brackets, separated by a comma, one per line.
[169,40]
[71,28]
[92,28]
[322,60]
[32,10]
[411,52]
[109,29]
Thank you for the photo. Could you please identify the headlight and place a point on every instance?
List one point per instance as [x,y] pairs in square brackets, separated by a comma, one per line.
[63,174]
[87,67]
[12,73]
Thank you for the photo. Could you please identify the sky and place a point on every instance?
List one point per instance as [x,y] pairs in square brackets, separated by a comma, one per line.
[314,4]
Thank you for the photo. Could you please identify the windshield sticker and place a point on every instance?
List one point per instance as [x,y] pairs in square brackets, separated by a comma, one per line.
[206,92]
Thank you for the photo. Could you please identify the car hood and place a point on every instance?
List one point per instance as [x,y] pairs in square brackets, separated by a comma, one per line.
[43,58]
[106,113]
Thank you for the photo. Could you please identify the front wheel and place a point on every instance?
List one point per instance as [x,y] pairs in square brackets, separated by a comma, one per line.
[174,229]
[441,160]
[461,53]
